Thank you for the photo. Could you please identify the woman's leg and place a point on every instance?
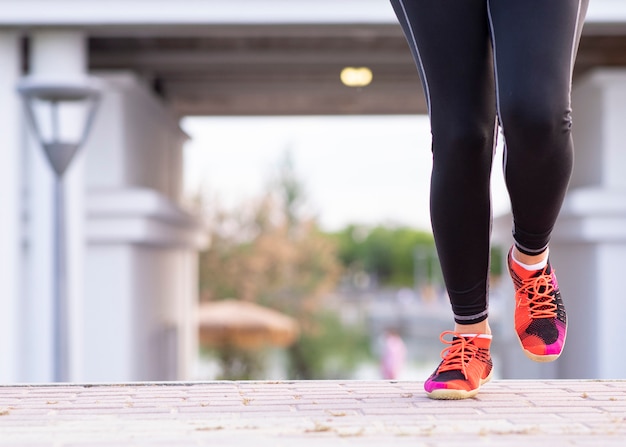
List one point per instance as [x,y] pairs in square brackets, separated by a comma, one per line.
[450,42]
[535,43]
[451,45]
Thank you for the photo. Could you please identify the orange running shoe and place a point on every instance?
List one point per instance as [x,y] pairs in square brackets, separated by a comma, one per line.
[540,318]
[466,365]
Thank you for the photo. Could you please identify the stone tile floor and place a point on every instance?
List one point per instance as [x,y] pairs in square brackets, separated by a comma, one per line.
[312,413]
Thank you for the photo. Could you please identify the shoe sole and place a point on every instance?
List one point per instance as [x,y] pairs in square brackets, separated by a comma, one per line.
[450,394]
[543,358]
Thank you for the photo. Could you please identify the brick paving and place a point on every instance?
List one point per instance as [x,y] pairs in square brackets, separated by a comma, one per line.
[312,413]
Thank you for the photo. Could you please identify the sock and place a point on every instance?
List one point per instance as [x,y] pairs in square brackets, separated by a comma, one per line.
[525,268]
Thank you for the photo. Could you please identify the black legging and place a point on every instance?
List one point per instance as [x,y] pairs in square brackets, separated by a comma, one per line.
[482,62]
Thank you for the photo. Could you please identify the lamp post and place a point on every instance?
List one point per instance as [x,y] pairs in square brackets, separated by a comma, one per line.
[61,114]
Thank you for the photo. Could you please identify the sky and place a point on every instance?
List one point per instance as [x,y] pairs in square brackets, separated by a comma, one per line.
[365,170]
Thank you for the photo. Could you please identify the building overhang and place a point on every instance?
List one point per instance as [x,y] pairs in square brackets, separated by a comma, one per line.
[602,14]
[232,57]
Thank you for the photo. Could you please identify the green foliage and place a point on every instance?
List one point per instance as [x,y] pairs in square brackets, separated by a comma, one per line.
[332,350]
[239,364]
[497,261]
[387,253]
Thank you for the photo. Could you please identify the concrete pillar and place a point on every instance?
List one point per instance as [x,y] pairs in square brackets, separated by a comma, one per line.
[10,210]
[59,54]
[589,243]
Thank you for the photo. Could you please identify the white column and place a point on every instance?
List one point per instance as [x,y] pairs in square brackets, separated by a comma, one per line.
[59,54]
[10,208]
[589,242]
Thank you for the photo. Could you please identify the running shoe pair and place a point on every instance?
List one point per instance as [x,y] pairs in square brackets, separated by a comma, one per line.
[540,323]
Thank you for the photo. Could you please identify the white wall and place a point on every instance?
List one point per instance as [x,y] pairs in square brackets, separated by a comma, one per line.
[11,162]
[139,313]
[141,283]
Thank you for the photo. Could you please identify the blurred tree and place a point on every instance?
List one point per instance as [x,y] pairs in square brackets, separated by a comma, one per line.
[271,251]
[497,261]
[387,253]
[239,364]
[396,256]
[333,349]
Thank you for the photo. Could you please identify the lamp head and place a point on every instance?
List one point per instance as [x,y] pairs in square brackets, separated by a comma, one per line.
[61,113]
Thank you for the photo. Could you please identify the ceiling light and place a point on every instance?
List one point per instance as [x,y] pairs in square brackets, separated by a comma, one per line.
[356,76]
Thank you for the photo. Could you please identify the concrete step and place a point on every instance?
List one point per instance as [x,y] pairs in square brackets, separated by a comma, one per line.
[312,413]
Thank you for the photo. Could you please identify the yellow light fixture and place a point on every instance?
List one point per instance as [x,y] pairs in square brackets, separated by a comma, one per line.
[356,76]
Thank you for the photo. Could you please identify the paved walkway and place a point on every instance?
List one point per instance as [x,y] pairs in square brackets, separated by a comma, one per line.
[315,413]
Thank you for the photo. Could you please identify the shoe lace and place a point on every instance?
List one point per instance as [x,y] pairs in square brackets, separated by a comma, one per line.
[456,357]
[539,295]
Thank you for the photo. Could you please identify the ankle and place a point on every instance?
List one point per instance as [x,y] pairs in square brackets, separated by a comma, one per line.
[475,328]
[529,260]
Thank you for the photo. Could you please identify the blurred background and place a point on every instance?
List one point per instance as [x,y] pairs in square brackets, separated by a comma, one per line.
[246,196]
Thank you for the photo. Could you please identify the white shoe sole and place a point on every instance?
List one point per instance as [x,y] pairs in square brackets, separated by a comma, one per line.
[451,394]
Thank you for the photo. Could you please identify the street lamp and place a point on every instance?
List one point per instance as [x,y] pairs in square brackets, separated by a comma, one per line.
[61,114]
